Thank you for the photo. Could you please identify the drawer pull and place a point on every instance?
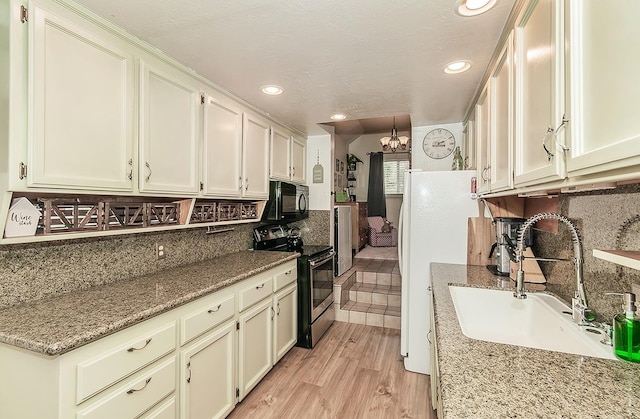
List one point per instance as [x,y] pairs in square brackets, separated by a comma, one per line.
[260,286]
[288,273]
[213,310]
[141,348]
[133,390]
[189,368]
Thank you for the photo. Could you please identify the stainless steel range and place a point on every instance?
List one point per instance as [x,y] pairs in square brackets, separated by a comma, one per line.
[315,281]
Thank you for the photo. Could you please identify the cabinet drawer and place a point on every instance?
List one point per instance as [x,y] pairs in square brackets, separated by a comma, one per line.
[254,293]
[165,410]
[136,396]
[285,278]
[111,366]
[206,317]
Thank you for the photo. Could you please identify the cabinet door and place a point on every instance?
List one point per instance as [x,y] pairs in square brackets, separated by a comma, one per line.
[603,91]
[222,171]
[539,104]
[298,160]
[469,135]
[207,375]
[285,325]
[280,155]
[501,133]
[81,109]
[169,131]
[482,140]
[255,346]
[255,161]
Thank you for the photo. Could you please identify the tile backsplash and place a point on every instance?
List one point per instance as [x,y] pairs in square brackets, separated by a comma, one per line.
[606,220]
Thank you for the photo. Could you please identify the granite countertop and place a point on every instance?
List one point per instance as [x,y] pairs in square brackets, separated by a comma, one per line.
[489,380]
[60,324]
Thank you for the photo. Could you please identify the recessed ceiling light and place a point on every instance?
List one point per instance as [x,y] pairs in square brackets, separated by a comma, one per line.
[338,116]
[456,67]
[272,89]
[473,7]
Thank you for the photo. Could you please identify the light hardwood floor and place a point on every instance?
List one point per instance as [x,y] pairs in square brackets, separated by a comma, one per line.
[355,371]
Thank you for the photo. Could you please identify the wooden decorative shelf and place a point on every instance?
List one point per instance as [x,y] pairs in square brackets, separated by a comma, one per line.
[76,216]
[628,258]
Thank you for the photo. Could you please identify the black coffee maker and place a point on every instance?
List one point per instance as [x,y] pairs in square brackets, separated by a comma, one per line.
[505,247]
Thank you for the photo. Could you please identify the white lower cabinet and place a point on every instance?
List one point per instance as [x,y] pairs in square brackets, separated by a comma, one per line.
[207,375]
[254,345]
[195,361]
[285,321]
[135,396]
[165,410]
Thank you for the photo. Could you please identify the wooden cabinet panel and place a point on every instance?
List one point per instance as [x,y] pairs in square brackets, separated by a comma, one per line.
[208,375]
[169,131]
[602,89]
[483,149]
[255,161]
[255,346]
[501,134]
[285,321]
[539,95]
[280,155]
[222,148]
[82,107]
[298,160]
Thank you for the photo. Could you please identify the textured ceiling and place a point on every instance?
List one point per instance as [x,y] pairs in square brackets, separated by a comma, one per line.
[364,58]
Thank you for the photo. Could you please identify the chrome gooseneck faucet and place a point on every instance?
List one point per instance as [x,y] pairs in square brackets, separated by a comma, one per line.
[580,310]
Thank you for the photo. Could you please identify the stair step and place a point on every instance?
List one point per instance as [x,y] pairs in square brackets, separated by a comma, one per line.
[369,314]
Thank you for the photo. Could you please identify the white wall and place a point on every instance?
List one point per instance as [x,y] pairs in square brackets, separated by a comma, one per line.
[420,160]
[319,147]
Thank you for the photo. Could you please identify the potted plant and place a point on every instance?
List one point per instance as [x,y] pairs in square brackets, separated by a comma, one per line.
[352,159]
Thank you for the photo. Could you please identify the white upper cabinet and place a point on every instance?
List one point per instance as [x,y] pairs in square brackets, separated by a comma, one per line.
[539,93]
[169,130]
[222,166]
[483,131]
[603,65]
[298,160]
[280,162]
[501,131]
[469,142]
[288,157]
[81,106]
[255,157]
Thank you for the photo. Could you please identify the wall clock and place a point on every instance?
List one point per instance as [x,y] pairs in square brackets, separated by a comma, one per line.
[438,143]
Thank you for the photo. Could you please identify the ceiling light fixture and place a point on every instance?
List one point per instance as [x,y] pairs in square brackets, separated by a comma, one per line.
[394,142]
[338,117]
[456,67]
[272,89]
[468,8]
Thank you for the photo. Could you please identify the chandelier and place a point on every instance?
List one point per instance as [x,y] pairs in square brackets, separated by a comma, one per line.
[394,142]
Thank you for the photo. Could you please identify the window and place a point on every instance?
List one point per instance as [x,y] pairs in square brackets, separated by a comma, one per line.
[394,176]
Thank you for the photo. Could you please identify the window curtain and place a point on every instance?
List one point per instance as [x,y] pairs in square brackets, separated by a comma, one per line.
[376,200]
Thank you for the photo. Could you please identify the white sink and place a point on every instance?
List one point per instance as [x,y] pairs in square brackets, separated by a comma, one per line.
[535,322]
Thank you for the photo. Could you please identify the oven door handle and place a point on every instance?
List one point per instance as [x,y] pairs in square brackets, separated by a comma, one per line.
[321,261]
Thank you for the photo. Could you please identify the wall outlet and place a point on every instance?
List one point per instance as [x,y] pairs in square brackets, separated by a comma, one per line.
[635,288]
[161,251]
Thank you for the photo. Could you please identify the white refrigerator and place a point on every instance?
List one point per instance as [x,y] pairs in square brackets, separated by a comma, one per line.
[432,228]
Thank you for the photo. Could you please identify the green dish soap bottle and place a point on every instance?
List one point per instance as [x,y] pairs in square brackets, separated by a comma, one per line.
[626,331]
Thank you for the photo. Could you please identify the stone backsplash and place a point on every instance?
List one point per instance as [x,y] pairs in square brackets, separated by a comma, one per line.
[606,220]
[40,270]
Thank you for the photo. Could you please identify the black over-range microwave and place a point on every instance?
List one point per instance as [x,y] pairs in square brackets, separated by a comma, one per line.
[287,202]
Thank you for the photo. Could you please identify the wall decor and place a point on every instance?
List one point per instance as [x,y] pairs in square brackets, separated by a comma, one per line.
[318,171]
